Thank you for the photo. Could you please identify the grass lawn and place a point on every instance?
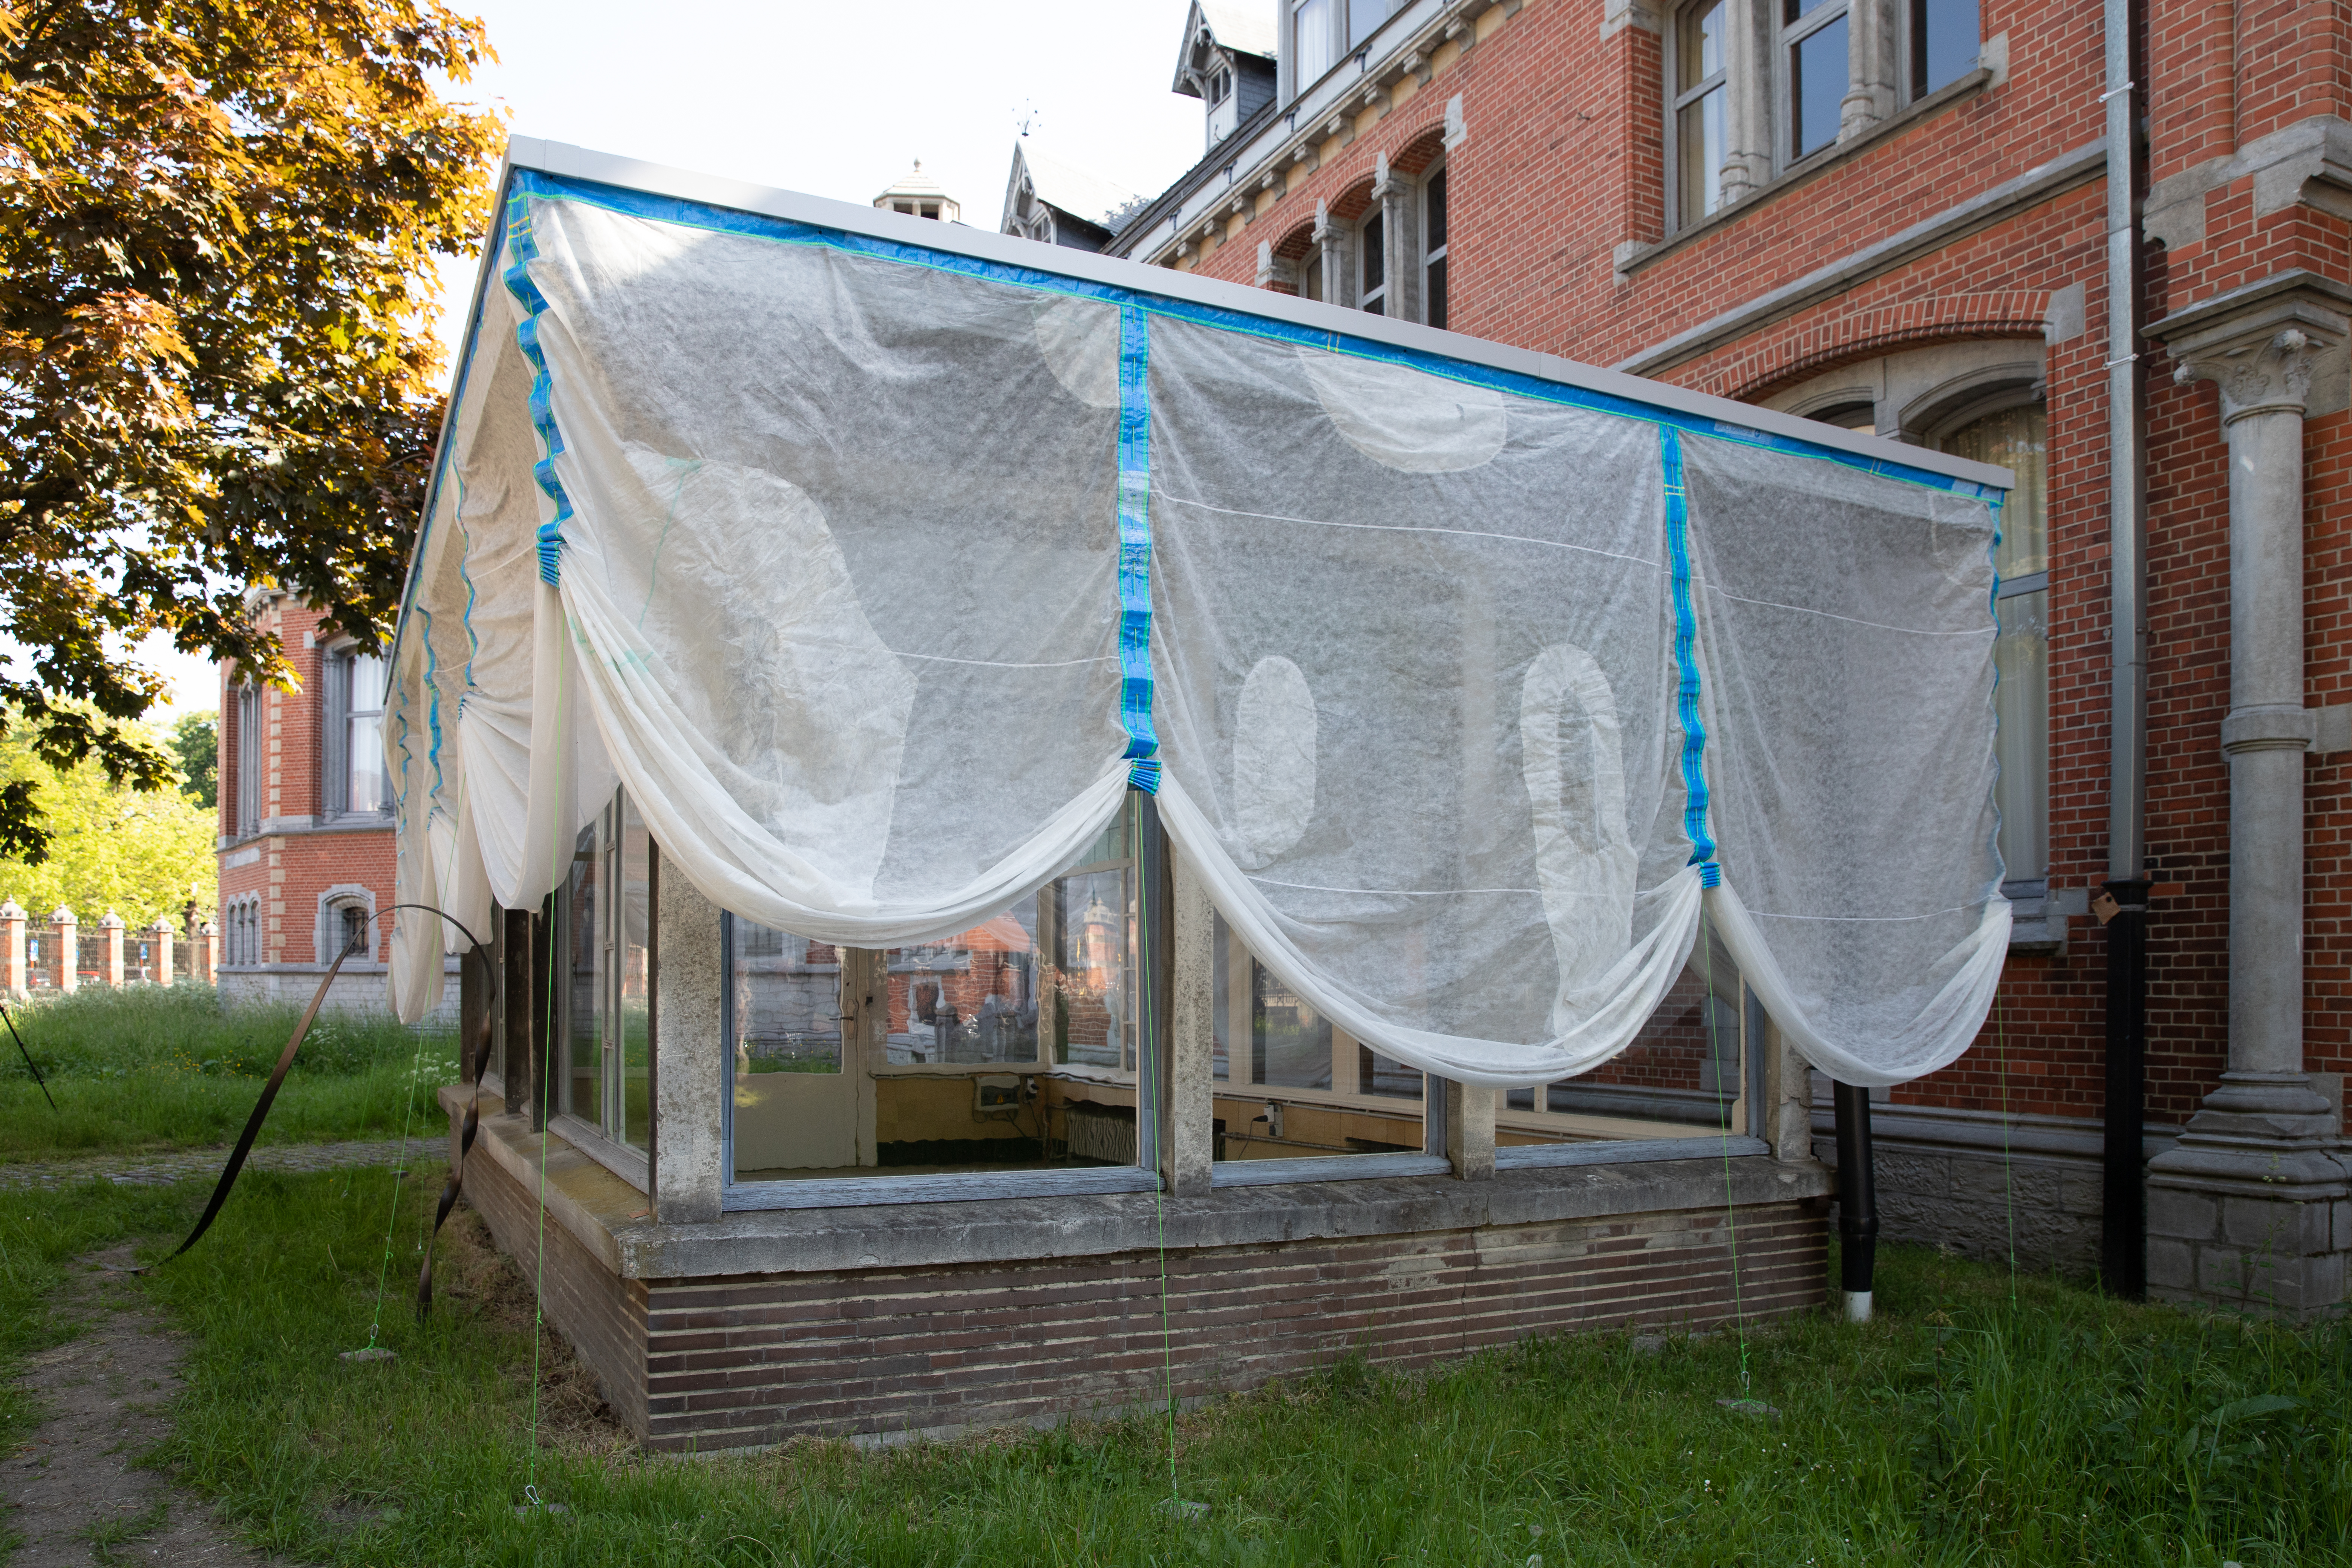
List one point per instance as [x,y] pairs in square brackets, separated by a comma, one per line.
[147,1067]
[1958,1429]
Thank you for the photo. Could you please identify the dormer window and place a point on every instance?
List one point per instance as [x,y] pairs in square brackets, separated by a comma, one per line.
[1220,87]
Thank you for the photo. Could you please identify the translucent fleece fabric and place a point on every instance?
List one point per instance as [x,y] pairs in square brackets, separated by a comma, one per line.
[878,576]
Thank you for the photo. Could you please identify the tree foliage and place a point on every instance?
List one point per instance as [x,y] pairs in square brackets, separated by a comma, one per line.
[217,219]
[195,743]
[142,853]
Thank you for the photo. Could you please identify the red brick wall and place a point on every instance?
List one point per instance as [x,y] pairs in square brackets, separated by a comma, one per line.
[294,868]
[1562,165]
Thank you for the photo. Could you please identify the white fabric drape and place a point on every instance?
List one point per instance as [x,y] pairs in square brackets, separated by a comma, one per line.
[837,555]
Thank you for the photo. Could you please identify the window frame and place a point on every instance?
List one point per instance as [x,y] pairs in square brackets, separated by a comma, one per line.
[338,713]
[1979,402]
[247,802]
[840,1191]
[1911,21]
[1436,299]
[601,1131]
[1677,99]
[1788,35]
[1371,245]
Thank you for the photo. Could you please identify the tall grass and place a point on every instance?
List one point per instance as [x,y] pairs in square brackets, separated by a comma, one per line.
[148,1068]
[1956,1430]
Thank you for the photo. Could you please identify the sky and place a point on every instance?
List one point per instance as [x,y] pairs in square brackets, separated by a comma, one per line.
[829,98]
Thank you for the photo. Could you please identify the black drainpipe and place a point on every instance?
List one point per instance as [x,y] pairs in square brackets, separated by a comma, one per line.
[1857,1202]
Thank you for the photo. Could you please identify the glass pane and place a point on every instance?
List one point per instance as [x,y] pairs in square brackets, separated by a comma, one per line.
[584,996]
[1436,293]
[1092,942]
[1699,148]
[1310,274]
[367,685]
[1363,16]
[1376,1074]
[367,786]
[1943,42]
[1817,84]
[1433,200]
[2013,439]
[972,998]
[1311,24]
[1683,1070]
[1375,254]
[1291,1042]
[1793,9]
[1220,1030]
[1698,45]
[2021,655]
[635,1018]
[787,1000]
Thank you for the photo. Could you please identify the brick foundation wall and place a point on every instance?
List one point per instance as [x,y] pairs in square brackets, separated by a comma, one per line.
[747,1360]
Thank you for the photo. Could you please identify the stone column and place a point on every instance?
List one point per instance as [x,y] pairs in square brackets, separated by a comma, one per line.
[2253,1208]
[61,965]
[204,959]
[1400,249]
[109,950]
[1470,1131]
[690,1070]
[1338,285]
[14,981]
[159,952]
[1188,1106]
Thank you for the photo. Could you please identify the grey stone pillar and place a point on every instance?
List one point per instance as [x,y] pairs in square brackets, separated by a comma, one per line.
[1470,1131]
[1400,242]
[1187,1096]
[1331,239]
[689,1054]
[2253,1208]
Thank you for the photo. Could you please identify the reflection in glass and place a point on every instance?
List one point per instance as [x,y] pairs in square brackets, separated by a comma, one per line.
[1376,1074]
[1817,86]
[584,990]
[786,994]
[633,1017]
[972,998]
[2021,654]
[1944,42]
[1291,1042]
[1685,1067]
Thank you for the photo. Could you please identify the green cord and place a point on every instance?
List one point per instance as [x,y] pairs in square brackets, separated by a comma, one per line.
[546,1106]
[1160,1185]
[2008,1174]
[1723,1111]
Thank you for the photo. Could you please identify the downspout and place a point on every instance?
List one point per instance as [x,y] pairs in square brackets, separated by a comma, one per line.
[2123,1239]
[1857,1200]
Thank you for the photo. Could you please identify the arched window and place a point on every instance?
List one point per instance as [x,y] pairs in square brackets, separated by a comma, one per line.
[2013,437]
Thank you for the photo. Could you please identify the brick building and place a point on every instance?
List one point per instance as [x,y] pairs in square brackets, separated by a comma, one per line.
[1895,215]
[305,850]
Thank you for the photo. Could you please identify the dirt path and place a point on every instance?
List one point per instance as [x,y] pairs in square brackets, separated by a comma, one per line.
[74,1497]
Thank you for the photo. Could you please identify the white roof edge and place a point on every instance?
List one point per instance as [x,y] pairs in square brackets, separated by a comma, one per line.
[580,163]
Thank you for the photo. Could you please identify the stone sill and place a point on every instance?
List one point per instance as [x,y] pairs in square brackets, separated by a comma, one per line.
[609,1217]
[1764,196]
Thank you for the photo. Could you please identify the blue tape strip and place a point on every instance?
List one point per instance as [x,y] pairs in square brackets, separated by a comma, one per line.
[1670,455]
[524,247]
[1135,548]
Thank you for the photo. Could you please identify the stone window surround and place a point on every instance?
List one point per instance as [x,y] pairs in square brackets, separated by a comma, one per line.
[327,930]
[1757,110]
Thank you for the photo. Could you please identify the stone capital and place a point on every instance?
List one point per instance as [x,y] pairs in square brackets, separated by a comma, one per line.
[2258,344]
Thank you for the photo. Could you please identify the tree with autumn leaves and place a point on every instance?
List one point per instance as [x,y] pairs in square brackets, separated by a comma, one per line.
[217,225]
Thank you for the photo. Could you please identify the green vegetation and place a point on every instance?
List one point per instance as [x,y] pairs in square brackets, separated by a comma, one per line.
[148,1069]
[142,853]
[195,743]
[1958,1429]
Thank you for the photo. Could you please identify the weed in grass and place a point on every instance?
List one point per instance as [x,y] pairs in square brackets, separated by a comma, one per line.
[106,1540]
[144,1068]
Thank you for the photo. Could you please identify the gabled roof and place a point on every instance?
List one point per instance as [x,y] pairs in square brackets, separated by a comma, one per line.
[1076,191]
[1237,30]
